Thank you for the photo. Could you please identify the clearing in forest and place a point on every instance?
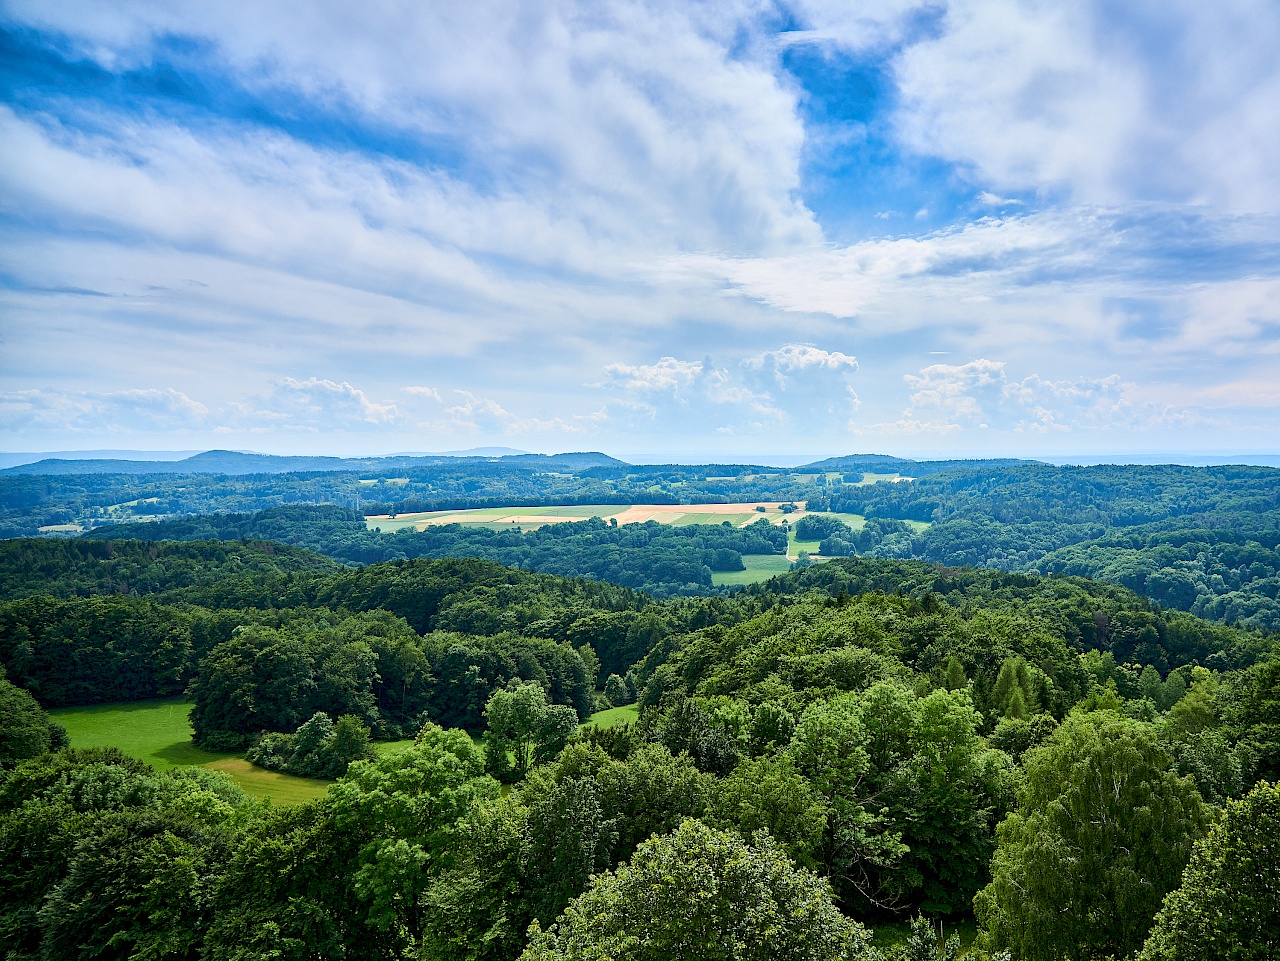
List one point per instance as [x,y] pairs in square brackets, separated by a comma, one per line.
[159,733]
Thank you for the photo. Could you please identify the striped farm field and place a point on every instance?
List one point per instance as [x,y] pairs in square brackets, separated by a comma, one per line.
[739,515]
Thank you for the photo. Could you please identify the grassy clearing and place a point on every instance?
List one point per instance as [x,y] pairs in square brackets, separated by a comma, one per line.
[613,717]
[870,478]
[260,783]
[794,546]
[159,733]
[855,521]
[759,567]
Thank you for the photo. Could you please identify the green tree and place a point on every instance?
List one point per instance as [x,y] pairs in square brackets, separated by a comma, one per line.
[769,794]
[403,810]
[524,729]
[1102,832]
[830,749]
[703,895]
[24,726]
[1260,716]
[615,691]
[136,887]
[1228,906]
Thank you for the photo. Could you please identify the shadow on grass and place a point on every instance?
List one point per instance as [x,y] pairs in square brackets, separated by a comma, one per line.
[184,752]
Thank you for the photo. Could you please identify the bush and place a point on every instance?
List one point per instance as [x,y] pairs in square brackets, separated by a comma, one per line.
[319,748]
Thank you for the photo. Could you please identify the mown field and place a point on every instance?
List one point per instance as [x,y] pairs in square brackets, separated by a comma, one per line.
[739,515]
[759,567]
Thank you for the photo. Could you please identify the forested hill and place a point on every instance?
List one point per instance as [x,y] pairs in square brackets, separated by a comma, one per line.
[83,568]
[72,496]
[862,741]
[660,559]
[1201,539]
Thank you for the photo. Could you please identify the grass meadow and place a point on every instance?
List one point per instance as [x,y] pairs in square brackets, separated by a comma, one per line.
[614,716]
[158,732]
[759,567]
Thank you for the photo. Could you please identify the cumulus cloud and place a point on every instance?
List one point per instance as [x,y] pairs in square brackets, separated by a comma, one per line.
[805,388]
[667,375]
[145,408]
[316,402]
[980,395]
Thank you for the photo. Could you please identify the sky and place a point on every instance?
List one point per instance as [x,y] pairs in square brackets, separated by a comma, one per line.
[659,230]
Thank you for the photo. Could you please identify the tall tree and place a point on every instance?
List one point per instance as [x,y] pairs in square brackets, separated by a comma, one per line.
[703,895]
[1228,907]
[1102,832]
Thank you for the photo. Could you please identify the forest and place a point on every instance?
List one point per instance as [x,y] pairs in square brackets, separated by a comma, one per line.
[660,559]
[1199,539]
[865,745]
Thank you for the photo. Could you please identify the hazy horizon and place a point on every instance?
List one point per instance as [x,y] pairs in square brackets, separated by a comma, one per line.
[768,459]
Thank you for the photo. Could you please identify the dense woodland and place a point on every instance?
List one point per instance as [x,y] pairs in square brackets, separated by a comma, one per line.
[91,493]
[862,741]
[659,559]
[1204,540]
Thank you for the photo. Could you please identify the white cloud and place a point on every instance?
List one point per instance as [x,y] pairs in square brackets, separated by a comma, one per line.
[485,417]
[138,408]
[607,124]
[980,395]
[1111,103]
[668,374]
[319,403]
[424,392]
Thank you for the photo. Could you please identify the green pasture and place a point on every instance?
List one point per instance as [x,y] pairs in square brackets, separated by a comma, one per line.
[614,716]
[870,478]
[759,567]
[159,733]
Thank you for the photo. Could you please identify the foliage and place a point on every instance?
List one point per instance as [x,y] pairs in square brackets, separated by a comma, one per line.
[101,855]
[319,748]
[1102,831]
[707,895]
[1228,905]
[523,729]
[25,730]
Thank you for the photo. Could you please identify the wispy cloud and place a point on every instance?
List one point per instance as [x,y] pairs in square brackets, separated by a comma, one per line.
[556,215]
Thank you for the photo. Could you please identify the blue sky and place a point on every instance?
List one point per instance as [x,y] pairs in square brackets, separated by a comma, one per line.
[659,229]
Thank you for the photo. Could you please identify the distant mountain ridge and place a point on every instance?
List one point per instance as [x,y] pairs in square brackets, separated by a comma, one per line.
[240,463]
[886,464]
[234,463]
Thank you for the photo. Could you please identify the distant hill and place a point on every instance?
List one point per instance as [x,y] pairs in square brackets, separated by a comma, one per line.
[886,464]
[16,458]
[239,463]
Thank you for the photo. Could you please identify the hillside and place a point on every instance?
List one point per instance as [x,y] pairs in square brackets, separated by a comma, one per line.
[865,723]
